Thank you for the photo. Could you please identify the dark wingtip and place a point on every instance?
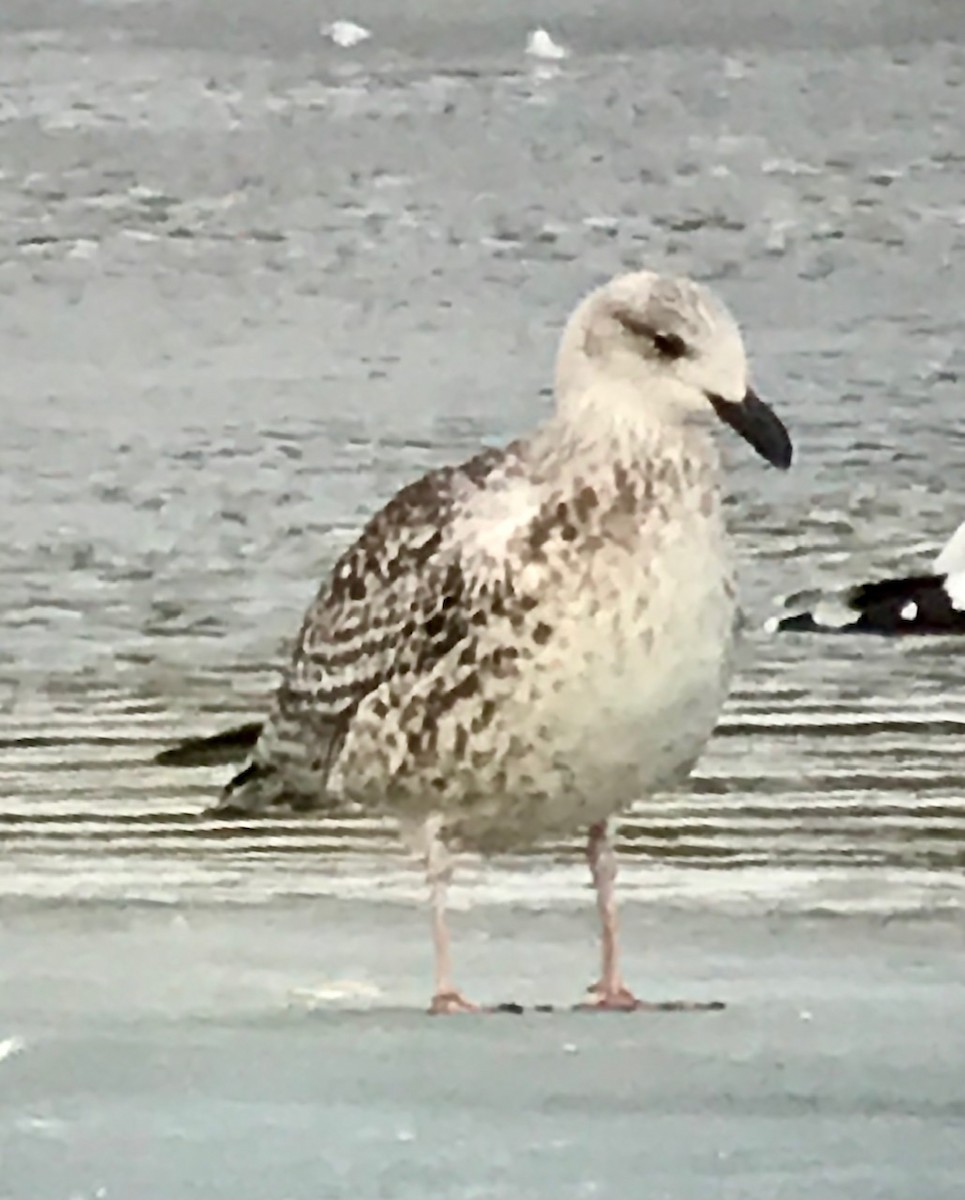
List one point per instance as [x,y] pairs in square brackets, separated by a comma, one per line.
[801,623]
[220,748]
[784,457]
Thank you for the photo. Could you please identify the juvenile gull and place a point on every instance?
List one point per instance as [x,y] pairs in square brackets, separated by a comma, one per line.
[526,644]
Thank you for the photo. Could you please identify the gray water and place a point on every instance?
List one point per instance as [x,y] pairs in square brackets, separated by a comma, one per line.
[250,283]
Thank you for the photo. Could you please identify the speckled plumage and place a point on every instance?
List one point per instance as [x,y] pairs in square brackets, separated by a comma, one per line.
[471,650]
[530,642]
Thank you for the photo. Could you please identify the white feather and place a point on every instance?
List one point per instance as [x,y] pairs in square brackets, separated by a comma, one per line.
[952,557]
[955,587]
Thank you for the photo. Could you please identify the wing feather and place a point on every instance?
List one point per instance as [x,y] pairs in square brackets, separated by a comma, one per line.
[391,606]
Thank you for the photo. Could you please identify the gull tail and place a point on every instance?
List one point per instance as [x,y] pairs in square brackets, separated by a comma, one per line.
[262,789]
[228,746]
[287,772]
[282,775]
[256,789]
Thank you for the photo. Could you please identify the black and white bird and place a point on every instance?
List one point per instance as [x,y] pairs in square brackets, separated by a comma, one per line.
[525,645]
[932,602]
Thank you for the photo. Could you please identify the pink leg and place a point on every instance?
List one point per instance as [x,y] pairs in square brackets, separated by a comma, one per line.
[610,992]
[447,997]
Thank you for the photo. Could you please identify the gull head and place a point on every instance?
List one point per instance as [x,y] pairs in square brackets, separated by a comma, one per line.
[649,348]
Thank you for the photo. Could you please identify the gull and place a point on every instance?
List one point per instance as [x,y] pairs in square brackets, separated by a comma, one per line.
[345,33]
[930,602]
[524,645]
[539,44]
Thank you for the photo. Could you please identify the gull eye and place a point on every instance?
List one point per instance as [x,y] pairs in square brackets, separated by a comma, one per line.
[669,345]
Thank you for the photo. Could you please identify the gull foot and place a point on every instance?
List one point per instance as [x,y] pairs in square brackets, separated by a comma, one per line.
[623,1000]
[619,1000]
[444,1003]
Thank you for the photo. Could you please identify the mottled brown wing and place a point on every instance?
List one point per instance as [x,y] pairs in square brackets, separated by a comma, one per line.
[391,606]
[392,602]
